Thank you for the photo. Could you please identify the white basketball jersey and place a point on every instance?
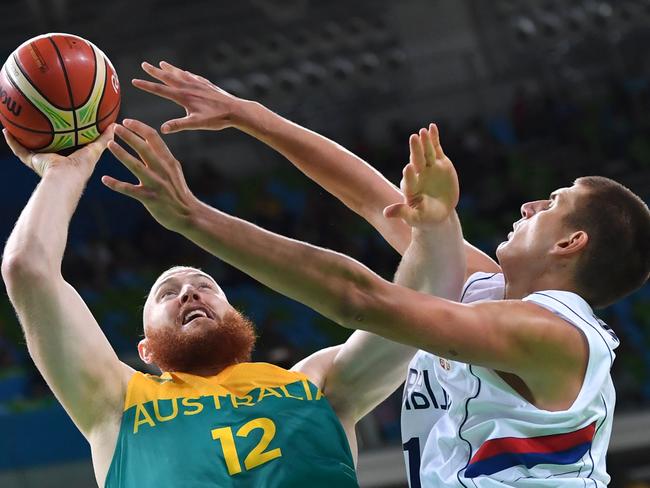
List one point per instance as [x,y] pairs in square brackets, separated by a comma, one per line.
[424,400]
[489,436]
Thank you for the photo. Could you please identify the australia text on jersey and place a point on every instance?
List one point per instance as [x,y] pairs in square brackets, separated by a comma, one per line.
[165,410]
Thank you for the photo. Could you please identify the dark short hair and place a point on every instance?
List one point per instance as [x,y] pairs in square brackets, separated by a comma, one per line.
[616,261]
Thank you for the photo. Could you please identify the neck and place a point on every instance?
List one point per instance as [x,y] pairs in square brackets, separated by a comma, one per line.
[207,371]
[520,286]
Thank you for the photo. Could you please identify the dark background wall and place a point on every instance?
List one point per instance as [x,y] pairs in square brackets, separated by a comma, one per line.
[528,95]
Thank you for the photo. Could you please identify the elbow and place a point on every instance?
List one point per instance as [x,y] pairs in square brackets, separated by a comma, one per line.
[19,267]
[360,297]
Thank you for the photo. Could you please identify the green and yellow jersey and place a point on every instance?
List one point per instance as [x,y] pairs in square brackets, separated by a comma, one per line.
[252,425]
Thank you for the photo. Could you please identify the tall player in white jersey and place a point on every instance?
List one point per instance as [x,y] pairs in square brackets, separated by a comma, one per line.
[556,448]
[525,366]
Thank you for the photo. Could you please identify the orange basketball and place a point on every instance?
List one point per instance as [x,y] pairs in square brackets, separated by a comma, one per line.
[58,91]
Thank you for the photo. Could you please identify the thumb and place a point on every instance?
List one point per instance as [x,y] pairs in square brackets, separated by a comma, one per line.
[398,211]
[177,125]
[92,151]
[122,187]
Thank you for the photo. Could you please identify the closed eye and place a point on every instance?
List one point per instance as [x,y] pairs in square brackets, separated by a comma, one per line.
[551,200]
[166,293]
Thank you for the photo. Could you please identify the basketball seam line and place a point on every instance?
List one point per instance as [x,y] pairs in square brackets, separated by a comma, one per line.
[67,84]
[35,86]
[63,132]
[90,93]
[54,132]
[15,85]
[101,98]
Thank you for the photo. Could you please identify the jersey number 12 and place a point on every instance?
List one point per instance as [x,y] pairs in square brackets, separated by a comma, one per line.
[258,455]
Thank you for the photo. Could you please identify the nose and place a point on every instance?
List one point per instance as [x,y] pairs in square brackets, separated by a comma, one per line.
[529,209]
[189,293]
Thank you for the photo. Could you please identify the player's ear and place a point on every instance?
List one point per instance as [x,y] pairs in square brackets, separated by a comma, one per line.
[144,352]
[571,243]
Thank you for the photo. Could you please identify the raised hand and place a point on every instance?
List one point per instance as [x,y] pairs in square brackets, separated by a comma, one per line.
[429,183]
[162,188]
[206,105]
[84,159]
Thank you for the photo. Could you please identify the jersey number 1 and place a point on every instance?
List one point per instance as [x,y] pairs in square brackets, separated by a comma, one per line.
[258,455]
[412,448]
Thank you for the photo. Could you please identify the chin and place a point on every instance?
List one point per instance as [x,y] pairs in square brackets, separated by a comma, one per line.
[507,254]
[501,248]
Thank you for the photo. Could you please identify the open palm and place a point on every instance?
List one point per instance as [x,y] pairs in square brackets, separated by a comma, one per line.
[84,158]
[206,105]
[429,183]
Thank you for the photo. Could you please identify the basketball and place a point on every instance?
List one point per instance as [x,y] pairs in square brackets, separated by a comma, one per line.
[58,91]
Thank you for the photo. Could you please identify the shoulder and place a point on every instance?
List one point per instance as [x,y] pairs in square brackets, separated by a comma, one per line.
[316,367]
[526,328]
[526,318]
[483,286]
[574,310]
[541,336]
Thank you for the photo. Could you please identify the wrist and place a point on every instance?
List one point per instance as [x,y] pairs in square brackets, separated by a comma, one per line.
[433,230]
[64,170]
[189,217]
[254,119]
[244,114]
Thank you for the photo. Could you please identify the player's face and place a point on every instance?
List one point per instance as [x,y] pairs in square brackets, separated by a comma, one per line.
[185,299]
[190,326]
[541,227]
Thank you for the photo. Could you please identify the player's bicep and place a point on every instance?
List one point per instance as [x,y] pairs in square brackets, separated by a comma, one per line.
[367,369]
[453,331]
[70,350]
[486,334]
[505,335]
[481,334]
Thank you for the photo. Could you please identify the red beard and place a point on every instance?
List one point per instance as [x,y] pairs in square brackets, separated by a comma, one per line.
[204,348]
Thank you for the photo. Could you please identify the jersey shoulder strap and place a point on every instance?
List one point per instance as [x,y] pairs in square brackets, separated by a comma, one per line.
[483,286]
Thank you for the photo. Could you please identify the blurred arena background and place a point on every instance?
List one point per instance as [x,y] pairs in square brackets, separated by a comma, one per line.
[528,94]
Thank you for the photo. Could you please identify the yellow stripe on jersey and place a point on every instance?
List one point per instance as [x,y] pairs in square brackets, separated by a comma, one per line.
[235,381]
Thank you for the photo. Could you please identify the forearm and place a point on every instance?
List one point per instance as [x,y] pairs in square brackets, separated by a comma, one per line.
[343,174]
[337,286]
[317,277]
[368,368]
[323,280]
[435,261]
[346,176]
[63,338]
[39,236]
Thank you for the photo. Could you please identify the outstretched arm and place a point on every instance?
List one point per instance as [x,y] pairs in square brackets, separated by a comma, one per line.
[333,167]
[510,336]
[63,338]
[363,372]
[368,368]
